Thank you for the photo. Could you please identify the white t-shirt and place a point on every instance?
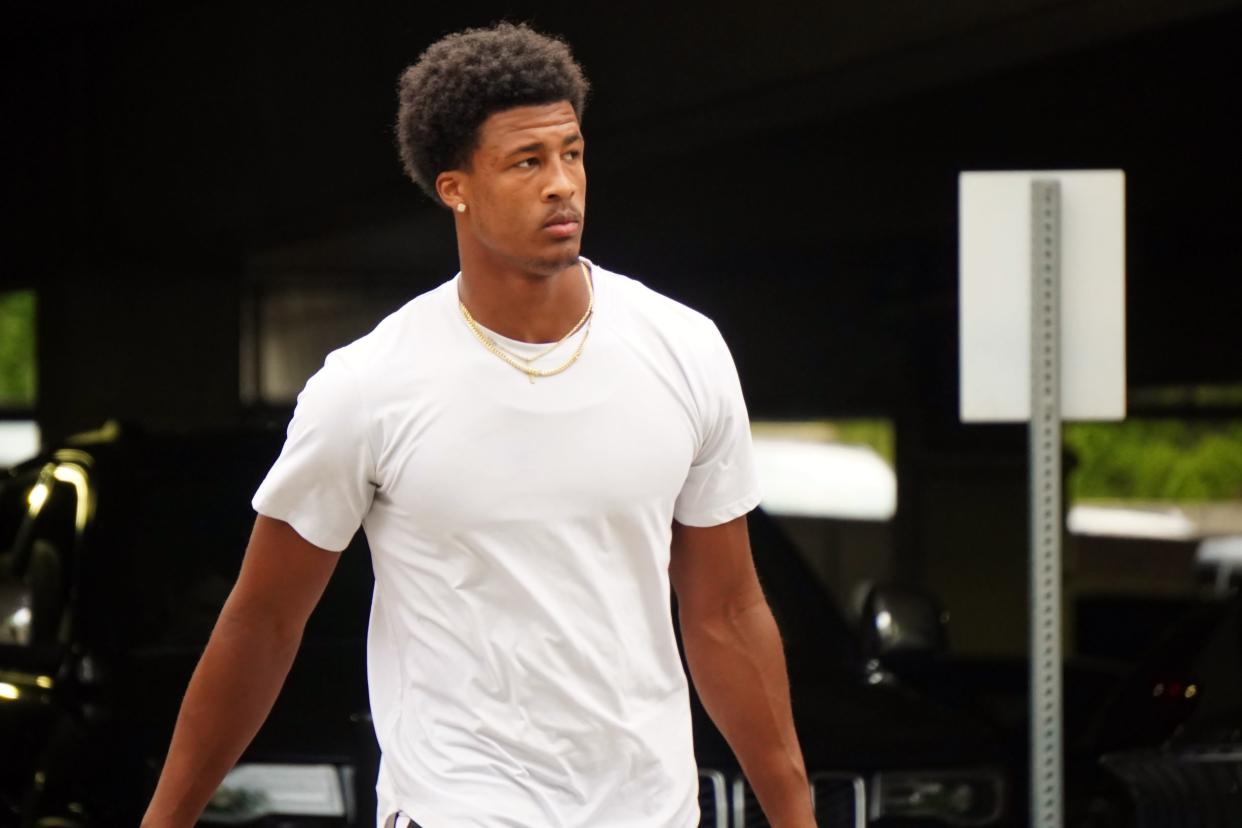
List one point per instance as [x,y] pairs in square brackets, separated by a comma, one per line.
[521,659]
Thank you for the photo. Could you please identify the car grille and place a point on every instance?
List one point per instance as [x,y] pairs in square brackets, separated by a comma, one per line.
[713,799]
[726,801]
[840,799]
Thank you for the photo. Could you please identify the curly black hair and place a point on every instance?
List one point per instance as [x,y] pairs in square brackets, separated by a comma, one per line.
[463,78]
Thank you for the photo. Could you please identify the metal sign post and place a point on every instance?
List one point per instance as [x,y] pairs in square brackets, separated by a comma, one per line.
[1045,561]
[1045,250]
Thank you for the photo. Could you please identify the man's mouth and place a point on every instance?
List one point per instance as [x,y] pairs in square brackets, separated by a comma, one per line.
[563,225]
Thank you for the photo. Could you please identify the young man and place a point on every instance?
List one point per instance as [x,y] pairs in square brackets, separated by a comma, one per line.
[537,449]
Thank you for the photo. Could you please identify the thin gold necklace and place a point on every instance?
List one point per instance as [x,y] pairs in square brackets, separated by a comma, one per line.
[558,343]
[523,364]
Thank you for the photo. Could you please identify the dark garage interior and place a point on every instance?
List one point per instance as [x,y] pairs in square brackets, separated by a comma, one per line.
[203,199]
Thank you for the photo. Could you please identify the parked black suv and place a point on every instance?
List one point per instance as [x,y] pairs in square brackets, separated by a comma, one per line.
[119,550]
[118,554]
[1165,750]
[879,751]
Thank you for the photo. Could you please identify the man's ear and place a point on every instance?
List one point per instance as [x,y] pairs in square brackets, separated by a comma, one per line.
[452,188]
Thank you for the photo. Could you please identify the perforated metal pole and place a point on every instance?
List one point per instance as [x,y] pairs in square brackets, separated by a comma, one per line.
[1045,447]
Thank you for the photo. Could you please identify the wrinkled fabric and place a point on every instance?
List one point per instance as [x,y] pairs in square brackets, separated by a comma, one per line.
[522,664]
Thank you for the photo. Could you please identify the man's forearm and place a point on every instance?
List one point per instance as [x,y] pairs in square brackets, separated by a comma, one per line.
[738,668]
[228,698]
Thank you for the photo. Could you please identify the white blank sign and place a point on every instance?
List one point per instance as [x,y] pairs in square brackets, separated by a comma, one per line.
[995,280]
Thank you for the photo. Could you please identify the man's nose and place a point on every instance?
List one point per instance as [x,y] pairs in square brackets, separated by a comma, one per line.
[560,184]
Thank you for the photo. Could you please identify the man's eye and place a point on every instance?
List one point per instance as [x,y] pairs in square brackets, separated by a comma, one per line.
[573,155]
[526,164]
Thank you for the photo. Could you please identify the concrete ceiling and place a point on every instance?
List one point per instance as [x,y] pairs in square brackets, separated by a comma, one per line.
[806,153]
[236,122]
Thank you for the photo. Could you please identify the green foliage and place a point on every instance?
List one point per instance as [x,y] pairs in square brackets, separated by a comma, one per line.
[878,434]
[17,349]
[1142,459]
[1225,395]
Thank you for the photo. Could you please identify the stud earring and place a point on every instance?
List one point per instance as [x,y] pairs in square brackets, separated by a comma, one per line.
[461,206]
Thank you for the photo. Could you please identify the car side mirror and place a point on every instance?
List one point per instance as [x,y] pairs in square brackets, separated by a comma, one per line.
[899,623]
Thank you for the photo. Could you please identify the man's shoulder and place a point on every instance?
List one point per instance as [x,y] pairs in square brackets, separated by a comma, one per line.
[670,335]
[645,303]
[399,334]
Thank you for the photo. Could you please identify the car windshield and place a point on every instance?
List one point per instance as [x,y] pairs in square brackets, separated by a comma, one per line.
[13,507]
[818,641]
[161,527]
[174,517]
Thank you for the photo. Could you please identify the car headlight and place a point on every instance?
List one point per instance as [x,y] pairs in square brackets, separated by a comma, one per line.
[253,791]
[965,797]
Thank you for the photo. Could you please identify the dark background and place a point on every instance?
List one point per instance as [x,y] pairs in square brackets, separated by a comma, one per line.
[789,168]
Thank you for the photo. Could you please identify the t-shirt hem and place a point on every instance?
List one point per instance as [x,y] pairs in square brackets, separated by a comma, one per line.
[304,524]
[723,514]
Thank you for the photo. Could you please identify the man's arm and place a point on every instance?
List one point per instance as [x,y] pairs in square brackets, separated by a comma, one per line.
[734,652]
[242,669]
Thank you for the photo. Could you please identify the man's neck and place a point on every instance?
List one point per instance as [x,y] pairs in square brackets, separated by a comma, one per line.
[518,304]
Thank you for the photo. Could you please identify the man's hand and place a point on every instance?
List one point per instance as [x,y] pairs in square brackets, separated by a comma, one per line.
[242,669]
[734,652]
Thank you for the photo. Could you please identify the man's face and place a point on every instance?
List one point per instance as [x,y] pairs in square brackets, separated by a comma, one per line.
[525,191]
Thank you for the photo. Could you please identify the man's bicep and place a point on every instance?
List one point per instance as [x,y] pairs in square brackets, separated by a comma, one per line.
[282,577]
[711,568]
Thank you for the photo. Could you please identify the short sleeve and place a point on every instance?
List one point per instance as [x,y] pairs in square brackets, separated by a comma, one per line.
[722,483]
[322,483]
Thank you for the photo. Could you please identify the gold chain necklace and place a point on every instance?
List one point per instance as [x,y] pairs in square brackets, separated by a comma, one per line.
[523,364]
[558,343]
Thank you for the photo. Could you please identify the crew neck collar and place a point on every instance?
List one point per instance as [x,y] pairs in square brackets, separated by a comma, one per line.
[518,345]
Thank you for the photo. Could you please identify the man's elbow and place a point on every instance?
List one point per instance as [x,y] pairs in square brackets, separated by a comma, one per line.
[735,620]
